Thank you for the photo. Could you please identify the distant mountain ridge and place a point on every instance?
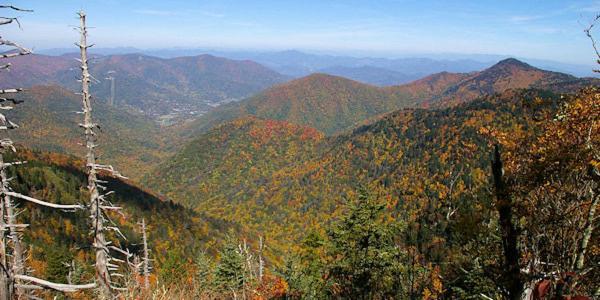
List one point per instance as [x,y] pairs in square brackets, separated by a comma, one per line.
[301,63]
[297,64]
[182,86]
[333,104]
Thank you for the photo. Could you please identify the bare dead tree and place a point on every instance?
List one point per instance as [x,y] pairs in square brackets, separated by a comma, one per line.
[8,217]
[246,252]
[261,262]
[146,258]
[98,205]
[594,172]
[14,282]
[5,277]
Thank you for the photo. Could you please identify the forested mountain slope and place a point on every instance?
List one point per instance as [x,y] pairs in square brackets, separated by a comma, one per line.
[409,155]
[325,102]
[447,89]
[231,161]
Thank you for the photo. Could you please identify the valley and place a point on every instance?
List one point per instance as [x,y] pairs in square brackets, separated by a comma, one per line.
[166,90]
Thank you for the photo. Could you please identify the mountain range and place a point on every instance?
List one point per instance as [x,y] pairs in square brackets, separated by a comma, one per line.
[281,177]
[334,104]
[329,104]
[297,63]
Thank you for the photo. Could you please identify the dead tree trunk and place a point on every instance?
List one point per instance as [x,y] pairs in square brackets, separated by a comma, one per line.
[512,271]
[5,281]
[587,233]
[593,187]
[98,205]
[101,265]
[261,262]
[13,280]
[17,249]
[8,213]
[146,262]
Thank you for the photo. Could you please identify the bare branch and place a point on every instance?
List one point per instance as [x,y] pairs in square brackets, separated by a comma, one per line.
[15,8]
[22,50]
[44,203]
[56,286]
[10,91]
[146,258]
[7,20]
[29,286]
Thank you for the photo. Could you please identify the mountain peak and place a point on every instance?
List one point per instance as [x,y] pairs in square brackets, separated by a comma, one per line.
[512,62]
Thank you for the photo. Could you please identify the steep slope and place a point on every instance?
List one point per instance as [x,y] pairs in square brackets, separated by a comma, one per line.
[55,238]
[334,104]
[48,121]
[231,160]
[181,86]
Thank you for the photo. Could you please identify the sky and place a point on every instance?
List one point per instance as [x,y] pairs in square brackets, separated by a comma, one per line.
[548,29]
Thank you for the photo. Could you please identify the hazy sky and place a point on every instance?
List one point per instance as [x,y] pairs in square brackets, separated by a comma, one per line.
[526,28]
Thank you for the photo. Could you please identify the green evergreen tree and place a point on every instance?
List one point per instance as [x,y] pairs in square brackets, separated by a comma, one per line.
[304,272]
[363,251]
[229,272]
[57,257]
[204,273]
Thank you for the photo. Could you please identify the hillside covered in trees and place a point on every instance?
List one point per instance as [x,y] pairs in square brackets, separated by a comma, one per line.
[428,173]
[56,238]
